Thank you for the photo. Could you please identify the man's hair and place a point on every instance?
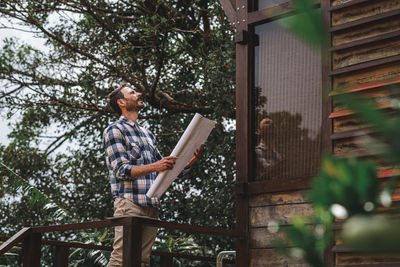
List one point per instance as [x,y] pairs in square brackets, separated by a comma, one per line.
[114,96]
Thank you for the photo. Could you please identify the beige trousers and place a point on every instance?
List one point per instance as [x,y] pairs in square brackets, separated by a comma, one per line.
[125,207]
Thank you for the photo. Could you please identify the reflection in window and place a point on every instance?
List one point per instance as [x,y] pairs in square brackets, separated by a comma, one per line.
[288,105]
[269,3]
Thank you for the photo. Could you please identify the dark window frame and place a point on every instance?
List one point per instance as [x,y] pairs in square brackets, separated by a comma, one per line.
[245,139]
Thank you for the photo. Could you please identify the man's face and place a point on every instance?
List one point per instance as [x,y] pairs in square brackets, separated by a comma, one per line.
[133,100]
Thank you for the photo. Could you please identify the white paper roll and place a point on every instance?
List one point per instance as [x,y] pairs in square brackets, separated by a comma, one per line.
[194,136]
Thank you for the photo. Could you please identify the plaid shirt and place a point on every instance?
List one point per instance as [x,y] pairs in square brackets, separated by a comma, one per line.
[128,144]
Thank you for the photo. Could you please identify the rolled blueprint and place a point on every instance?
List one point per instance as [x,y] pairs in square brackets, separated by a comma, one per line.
[194,136]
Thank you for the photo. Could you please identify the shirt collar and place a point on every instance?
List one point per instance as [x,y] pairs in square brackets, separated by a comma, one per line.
[129,121]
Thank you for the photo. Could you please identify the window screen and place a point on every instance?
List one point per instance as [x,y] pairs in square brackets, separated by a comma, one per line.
[288,105]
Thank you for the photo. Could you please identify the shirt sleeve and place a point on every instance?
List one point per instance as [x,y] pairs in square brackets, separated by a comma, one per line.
[117,156]
[157,154]
[183,173]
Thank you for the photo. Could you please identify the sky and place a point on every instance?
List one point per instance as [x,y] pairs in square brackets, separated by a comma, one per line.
[23,37]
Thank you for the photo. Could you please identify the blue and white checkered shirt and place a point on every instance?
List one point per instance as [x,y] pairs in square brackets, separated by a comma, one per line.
[128,144]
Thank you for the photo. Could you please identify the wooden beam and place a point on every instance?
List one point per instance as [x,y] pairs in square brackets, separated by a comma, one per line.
[81,226]
[244,67]
[279,185]
[109,248]
[61,257]
[229,10]
[166,261]
[15,239]
[32,250]
[269,13]
[273,12]
[132,244]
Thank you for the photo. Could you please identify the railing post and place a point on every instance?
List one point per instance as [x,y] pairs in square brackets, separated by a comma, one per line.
[31,249]
[166,261]
[132,244]
[61,258]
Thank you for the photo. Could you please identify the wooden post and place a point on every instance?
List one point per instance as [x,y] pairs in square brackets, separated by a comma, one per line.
[31,248]
[132,244]
[61,258]
[166,261]
[244,66]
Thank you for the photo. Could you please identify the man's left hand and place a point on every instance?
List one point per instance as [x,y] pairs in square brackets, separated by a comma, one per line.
[195,157]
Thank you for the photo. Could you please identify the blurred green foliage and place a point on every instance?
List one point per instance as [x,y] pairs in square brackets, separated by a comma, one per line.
[348,182]
[347,188]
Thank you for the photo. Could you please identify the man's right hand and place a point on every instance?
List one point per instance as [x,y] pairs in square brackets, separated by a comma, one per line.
[166,163]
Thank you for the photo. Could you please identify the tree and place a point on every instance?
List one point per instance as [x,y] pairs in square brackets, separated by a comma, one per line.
[179,54]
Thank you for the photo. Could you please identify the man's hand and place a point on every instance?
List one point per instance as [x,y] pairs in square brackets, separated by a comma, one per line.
[195,157]
[166,163]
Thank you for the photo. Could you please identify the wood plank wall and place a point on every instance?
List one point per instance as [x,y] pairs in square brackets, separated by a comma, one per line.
[265,211]
[365,59]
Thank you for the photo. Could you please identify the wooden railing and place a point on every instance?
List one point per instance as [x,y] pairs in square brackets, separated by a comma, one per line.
[31,239]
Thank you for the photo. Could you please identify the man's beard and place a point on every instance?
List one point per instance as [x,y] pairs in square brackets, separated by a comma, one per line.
[133,105]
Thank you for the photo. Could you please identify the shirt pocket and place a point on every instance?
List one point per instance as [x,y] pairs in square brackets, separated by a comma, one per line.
[136,154]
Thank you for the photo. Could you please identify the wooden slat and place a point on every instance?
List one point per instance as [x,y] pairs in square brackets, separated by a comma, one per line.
[279,185]
[370,40]
[346,112]
[388,173]
[15,239]
[261,237]
[359,22]
[367,53]
[365,259]
[260,216]
[367,86]
[273,12]
[271,257]
[366,65]
[364,10]
[348,123]
[347,4]
[357,154]
[366,31]
[351,133]
[292,197]
[366,76]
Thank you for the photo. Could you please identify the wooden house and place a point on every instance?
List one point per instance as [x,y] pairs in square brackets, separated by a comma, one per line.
[285,121]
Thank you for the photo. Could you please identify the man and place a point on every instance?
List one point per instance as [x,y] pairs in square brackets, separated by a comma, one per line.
[133,161]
